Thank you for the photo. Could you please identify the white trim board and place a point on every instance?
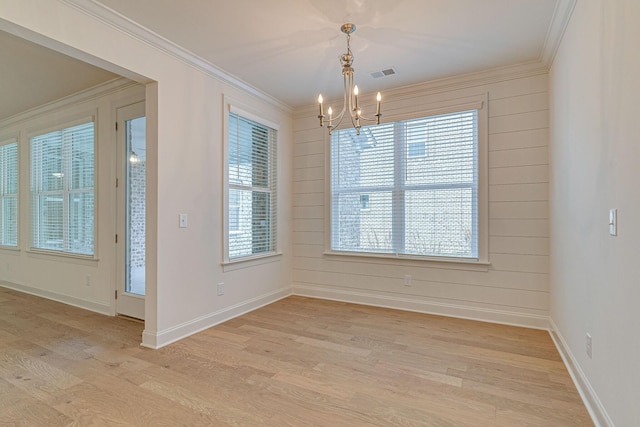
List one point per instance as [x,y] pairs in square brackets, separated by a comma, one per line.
[94,306]
[162,338]
[559,22]
[427,307]
[89,94]
[598,413]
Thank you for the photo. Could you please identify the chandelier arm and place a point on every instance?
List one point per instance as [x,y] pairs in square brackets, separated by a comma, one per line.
[354,110]
[338,118]
[350,95]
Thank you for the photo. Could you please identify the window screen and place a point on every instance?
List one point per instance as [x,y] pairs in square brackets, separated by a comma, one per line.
[251,213]
[419,178]
[62,190]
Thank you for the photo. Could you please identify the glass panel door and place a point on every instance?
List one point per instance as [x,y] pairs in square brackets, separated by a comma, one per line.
[131,195]
[135,205]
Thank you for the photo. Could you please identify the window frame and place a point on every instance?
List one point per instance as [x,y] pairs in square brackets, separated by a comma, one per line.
[59,126]
[478,103]
[4,141]
[234,107]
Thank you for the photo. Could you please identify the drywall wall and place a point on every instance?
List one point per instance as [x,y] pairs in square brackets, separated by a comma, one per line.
[595,149]
[513,288]
[184,165]
[88,283]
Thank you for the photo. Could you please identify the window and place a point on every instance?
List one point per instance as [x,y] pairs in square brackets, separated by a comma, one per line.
[364,201]
[62,190]
[9,194]
[234,211]
[251,181]
[415,149]
[418,179]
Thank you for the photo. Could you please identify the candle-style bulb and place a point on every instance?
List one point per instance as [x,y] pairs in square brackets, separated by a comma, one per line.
[355,90]
[330,111]
[321,115]
[378,97]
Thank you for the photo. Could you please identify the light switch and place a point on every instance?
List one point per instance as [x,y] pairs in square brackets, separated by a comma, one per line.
[613,222]
[183,221]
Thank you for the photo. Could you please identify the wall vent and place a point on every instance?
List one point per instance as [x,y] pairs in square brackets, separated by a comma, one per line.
[384,73]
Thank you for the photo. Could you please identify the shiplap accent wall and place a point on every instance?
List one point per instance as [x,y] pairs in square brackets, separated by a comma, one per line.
[514,288]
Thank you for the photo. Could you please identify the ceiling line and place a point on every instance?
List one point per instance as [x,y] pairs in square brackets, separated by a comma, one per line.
[559,22]
[125,25]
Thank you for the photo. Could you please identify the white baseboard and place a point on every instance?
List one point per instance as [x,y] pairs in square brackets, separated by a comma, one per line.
[66,299]
[587,393]
[428,307]
[168,336]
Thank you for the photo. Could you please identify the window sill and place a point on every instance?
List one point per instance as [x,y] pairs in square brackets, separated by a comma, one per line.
[247,262]
[10,249]
[78,259]
[437,262]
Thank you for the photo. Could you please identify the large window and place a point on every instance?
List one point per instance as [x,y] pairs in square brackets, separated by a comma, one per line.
[251,199]
[407,188]
[9,194]
[62,190]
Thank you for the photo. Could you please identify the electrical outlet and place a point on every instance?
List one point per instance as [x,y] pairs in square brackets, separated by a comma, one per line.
[87,280]
[408,279]
[220,288]
[589,345]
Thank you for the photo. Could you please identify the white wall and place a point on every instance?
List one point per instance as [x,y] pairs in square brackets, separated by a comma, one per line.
[514,288]
[81,282]
[595,155]
[184,113]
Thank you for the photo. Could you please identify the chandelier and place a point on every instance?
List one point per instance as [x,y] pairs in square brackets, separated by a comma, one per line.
[350,101]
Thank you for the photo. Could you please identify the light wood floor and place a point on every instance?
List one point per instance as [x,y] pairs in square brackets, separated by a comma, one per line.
[297,362]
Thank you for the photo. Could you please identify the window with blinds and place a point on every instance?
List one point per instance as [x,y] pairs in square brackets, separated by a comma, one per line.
[407,188]
[9,194]
[251,208]
[62,190]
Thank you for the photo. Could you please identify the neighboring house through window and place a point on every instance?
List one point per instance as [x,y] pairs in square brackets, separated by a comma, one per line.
[251,187]
[408,188]
[62,190]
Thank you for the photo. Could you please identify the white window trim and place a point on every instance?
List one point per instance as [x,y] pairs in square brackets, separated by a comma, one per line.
[230,105]
[64,123]
[479,103]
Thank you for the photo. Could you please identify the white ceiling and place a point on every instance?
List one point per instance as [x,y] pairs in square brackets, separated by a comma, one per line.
[289,48]
[32,75]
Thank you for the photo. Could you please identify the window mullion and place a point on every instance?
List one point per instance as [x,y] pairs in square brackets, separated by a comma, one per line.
[66,176]
[398,197]
[474,193]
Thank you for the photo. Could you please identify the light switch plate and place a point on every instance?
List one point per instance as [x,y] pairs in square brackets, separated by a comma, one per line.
[183,221]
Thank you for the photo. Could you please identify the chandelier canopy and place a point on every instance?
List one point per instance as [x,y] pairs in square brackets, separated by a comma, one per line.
[350,100]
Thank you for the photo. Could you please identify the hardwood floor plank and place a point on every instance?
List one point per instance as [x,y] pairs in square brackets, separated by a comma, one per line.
[297,362]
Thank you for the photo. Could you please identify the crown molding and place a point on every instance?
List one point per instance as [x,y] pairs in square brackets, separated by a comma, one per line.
[479,78]
[102,89]
[446,84]
[559,22]
[127,26]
